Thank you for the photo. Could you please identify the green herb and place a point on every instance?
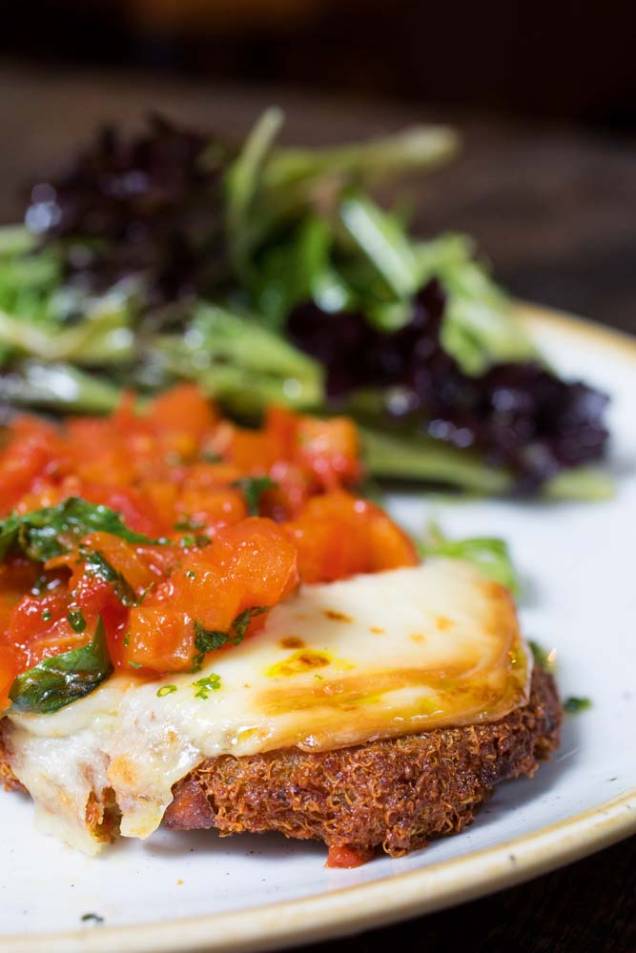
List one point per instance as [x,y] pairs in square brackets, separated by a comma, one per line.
[91,918]
[96,565]
[46,533]
[76,620]
[489,553]
[62,679]
[575,704]
[134,664]
[209,456]
[190,541]
[210,640]
[543,658]
[252,489]
[46,615]
[188,523]
[166,690]
[207,684]
[190,573]
[42,584]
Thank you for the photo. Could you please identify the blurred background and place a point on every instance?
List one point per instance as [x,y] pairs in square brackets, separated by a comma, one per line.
[544,92]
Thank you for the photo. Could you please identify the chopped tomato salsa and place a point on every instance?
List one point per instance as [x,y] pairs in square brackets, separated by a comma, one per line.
[171,526]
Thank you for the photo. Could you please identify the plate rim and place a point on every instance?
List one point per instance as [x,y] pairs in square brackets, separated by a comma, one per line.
[389,899]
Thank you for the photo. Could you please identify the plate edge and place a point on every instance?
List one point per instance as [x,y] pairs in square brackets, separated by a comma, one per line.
[356,908]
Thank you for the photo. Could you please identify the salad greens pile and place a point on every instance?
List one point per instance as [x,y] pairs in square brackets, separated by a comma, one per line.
[270,274]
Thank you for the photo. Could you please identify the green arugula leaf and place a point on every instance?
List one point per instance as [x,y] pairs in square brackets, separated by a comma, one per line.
[96,565]
[252,489]
[489,553]
[209,640]
[43,534]
[575,704]
[58,681]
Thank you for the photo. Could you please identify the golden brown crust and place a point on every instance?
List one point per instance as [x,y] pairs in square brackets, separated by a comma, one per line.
[395,794]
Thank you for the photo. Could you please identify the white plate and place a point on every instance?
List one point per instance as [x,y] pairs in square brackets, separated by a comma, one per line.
[181,892]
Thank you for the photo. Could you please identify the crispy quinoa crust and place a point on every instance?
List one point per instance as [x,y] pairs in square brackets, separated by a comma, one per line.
[394,794]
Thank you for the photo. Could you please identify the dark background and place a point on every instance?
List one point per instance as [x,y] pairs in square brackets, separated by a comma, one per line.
[544,92]
[566,59]
[545,96]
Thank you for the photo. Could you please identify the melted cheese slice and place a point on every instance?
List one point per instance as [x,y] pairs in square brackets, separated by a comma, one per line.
[341,664]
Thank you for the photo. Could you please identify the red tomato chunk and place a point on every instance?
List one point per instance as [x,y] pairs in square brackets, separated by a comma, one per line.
[214,525]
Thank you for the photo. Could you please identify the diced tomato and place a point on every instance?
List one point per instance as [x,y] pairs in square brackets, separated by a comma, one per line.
[184,413]
[34,615]
[155,468]
[341,855]
[330,450]
[251,450]
[30,454]
[159,638]
[211,508]
[338,536]
[250,564]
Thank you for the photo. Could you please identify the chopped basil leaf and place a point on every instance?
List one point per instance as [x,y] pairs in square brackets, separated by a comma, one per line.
[575,704]
[209,640]
[207,684]
[46,615]
[188,523]
[91,918]
[166,690]
[76,620]
[96,565]
[253,489]
[62,679]
[240,624]
[489,553]
[192,541]
[43,534]
[211,457]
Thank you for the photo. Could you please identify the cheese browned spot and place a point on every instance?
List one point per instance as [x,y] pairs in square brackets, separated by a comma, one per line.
[344,686]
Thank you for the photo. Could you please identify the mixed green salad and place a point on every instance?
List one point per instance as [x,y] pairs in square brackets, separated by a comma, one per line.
[271,274]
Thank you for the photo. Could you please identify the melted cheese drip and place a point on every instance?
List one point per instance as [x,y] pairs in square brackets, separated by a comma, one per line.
[341,664]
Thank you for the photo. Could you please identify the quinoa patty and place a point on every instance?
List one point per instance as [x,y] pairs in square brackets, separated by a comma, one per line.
[394,794]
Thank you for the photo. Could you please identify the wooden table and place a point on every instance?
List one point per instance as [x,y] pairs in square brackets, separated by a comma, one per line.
[554,209]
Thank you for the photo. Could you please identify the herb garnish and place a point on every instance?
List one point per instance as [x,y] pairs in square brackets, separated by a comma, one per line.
[188,523]
[50,531]
[76,620]
[96,565]
[209,640]
[62,679]
[575,704]
[253,489]
[166,690]
[207,684]
[190,541]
